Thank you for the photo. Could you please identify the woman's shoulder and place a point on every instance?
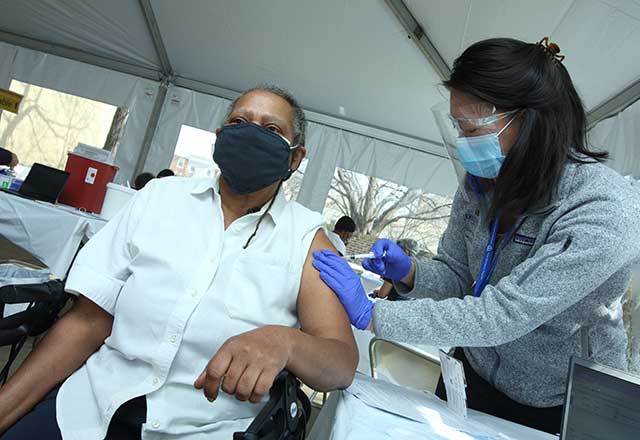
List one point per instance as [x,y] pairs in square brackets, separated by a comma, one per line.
[603,191]
[594,179]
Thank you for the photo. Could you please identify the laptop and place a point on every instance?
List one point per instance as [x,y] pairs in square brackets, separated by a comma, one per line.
[602,403]
[42,183]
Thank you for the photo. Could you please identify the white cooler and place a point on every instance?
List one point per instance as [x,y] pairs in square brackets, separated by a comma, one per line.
[116,198]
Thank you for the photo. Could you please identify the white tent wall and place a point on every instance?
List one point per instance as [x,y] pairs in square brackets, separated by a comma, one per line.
[327,148]
[331,147]
[182,107]
[7,57]
[620,135]
[91,82]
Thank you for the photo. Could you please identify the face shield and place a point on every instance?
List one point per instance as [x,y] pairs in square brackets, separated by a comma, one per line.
[449,135]
[469,125]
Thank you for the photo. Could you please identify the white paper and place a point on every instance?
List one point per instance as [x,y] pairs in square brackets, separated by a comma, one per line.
[455,384]
[405,402]
[423,407]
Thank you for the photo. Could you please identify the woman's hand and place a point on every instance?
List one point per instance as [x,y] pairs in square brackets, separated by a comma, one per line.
[338,275]
[390,261]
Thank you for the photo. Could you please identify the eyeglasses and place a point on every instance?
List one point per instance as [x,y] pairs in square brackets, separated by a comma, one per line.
[465,126]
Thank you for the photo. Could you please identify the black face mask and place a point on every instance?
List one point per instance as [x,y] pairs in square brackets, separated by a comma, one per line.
[251,158]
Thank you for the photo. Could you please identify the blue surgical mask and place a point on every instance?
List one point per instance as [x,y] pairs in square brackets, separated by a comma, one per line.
[481,155]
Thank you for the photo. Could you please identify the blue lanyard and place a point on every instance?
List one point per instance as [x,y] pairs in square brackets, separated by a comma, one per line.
[475,187]
[490,260]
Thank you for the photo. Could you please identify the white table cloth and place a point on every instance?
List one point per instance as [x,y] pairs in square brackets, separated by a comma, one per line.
[52,233]
[345,416]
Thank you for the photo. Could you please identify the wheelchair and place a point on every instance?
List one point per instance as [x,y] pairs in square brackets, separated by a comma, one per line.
[43,301]
[285,415]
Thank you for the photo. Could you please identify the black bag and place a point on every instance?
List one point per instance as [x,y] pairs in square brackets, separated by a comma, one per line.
[285,415]
[44,302]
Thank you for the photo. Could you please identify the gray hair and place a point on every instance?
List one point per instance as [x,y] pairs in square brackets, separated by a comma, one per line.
[299,122]
[409,246]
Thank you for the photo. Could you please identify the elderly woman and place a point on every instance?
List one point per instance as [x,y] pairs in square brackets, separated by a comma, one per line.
[196,285]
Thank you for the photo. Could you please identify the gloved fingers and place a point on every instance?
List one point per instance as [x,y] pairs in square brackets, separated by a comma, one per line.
[324,253]
[332,283]
[375,265]
[336,263]
[380,247]
[327,267]
[326,257]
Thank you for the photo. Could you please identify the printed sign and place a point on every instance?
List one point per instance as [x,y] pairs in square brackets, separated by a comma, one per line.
[10,101]
[90,178]
[455,384]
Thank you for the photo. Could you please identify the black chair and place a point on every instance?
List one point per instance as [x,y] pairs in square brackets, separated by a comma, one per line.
[285,415]
[44,303]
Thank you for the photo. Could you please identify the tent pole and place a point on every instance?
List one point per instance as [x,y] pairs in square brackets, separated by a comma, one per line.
[81,56]
[614,105]
[422,145]
[420,37]
[154,119]
[156,36]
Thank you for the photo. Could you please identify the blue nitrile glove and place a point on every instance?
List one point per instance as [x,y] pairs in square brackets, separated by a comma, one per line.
[338,275]
[390,260]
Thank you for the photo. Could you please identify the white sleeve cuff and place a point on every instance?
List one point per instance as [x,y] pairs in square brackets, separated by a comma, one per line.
[99,288]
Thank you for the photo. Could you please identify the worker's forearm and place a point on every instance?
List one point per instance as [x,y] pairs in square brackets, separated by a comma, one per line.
[321,363]
[62,351]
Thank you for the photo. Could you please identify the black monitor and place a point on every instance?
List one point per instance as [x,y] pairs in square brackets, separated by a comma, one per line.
[602,403]
[44,183]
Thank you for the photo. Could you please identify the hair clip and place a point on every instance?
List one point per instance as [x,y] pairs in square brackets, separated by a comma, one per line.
[552,49]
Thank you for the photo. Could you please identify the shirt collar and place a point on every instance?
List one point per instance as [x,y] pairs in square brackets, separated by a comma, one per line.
[214,184]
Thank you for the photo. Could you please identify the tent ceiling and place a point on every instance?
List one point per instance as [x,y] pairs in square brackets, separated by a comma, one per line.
[599,37]
[350,54]
[114,29]
[330,54]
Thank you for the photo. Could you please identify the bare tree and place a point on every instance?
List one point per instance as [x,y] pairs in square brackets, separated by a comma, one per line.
[48,125]
[115,132]
[378,205]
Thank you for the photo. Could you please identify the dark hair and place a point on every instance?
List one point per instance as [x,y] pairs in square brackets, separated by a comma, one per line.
[345,223]
[165,173]
[142,179]
[299,122]
[511,74]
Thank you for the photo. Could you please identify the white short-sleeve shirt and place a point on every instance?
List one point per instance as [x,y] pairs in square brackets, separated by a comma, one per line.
[179,285]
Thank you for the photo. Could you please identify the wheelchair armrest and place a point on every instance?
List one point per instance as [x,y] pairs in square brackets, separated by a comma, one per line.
[284,416]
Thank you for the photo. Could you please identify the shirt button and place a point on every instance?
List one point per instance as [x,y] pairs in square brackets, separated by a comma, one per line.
[173,339]
[156,425]
[156,381]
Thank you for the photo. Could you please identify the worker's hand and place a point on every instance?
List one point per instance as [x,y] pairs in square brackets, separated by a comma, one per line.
[389,262]
[246,365]
[338,275]
[14,161]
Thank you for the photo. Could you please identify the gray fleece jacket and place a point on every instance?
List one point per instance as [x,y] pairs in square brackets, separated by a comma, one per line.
[555,291]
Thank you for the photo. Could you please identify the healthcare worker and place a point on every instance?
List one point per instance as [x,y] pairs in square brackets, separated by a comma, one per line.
[539,246]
